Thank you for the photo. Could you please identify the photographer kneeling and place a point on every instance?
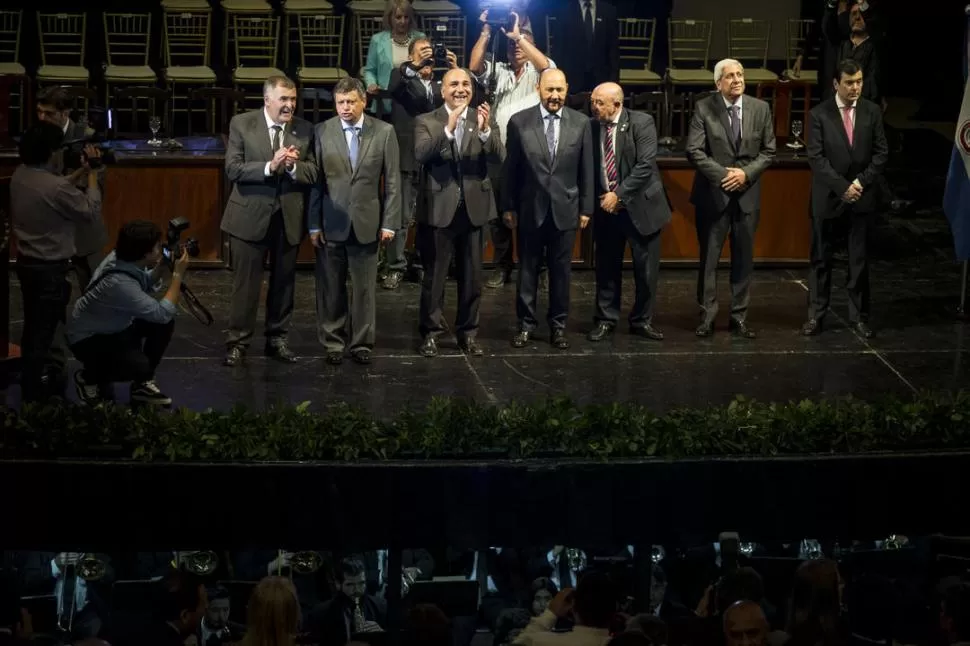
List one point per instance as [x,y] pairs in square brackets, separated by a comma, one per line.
[118,330]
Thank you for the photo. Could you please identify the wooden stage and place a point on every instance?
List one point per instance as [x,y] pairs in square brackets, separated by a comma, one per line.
[159,184]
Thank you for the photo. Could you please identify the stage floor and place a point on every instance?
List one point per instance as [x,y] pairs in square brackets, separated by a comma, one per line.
[919,345]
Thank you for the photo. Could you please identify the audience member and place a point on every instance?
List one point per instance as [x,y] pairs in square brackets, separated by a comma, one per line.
[179,605]
[745,625]
[815,606]
[650,626]
[273,615]
[591,606]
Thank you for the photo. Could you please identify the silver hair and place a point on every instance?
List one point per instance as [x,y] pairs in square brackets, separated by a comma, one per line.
[721,64]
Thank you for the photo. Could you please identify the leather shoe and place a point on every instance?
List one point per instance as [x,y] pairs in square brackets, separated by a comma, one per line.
[335,358]
[741,329]
[862,329]
[812,327]
[647,331]
[361,356]
[705,329]
[428,347]
[470,347]
[234,356]
[280,351]
[600,332]
[521,338]
[559,339]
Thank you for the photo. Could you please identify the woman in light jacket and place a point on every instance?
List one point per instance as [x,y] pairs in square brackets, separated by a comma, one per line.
[389,48]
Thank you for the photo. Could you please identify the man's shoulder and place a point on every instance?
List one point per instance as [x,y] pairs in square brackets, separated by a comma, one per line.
[245,118]
[300,126]
[823,106]
[753,102]
[378,125]
[638,118]
[521,116]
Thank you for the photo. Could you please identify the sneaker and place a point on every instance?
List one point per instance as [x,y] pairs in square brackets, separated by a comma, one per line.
[148,393]
[89,394]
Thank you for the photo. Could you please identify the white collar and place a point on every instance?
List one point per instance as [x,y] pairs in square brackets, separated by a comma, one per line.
[545,113]
[582,5]
[464,111]
[842,105]
[359,124]
[270,123]
[616,117]
[728,104]
[67,124]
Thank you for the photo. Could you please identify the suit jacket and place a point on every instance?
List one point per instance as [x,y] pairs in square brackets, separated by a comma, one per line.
[89,236]
[532,185]
[348,199]
[835,163]
[410,100]
[453,175]
[711,149]
[254,196]
[327,623]
[640,188]
[586,65]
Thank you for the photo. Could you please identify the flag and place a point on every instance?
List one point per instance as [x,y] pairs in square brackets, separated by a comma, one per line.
[956,197]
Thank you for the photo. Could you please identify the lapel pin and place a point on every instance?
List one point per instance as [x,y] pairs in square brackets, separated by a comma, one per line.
[623,128]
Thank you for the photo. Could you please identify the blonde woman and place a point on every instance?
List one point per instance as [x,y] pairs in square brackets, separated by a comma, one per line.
[273,615]
[389,48]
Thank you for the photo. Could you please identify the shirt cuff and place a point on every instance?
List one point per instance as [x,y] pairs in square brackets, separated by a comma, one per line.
[483,135]
[292,172]
[857,183]
[266,171]
[391,231]
[450,135]
[314,230]
[168,306]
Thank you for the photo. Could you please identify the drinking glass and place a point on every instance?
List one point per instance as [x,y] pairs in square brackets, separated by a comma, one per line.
[155,124]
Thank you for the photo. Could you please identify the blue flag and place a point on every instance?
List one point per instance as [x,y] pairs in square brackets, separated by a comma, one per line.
[956,197]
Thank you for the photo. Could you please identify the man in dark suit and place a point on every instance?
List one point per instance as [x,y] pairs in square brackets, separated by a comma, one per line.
[415,91]
[216,628]
[269,162]
[179,604]
[351,612]
[730,143]
[349,217]
[632,208]
[847,151]
[454,145]
[585,37]
[547,191]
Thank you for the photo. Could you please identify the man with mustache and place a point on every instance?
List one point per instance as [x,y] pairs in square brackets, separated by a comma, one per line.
[730,143]
[454,145]
[269,162]
[547,193]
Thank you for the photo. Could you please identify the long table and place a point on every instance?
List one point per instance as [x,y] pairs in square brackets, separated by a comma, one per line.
[159,184]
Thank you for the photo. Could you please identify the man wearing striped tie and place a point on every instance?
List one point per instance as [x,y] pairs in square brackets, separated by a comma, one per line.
[632,208]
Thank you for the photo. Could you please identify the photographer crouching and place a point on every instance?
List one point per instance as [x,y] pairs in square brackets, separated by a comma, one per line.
[118,330]
[45,209]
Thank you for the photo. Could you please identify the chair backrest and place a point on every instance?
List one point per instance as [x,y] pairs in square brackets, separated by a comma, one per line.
[187,38]
[798,32]
[78,94]
[256,39]
[134,105]
[221,105]
[653,103]
[10,23]
[127,37]
[550,33]
[62,38]
[446,29]
[635,38]
[748,40]
[316,104]
[321,40]
[579,102]
[365,26]
[689,43]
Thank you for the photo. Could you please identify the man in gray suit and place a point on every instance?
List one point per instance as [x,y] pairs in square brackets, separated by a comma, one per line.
[454,145]
[349,218]
[270,163]
[548,191]
[730,143]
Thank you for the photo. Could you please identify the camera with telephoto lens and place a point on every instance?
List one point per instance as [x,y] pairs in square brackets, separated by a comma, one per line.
[74,151]
[174,246]
[440,54]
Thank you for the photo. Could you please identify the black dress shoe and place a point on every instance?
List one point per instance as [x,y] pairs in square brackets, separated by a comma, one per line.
[361,356]
[279,351]
[647,331]
[741,329]
[862,329]
[705,329]
[470,347]
[521,338]
[558,339]
[335,358]
[428,347]
[234,356]
[600,332]
[812,327]
[499,278]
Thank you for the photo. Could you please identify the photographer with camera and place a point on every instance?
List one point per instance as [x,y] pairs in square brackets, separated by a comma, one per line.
[45,208]
[118,330]
[416,91]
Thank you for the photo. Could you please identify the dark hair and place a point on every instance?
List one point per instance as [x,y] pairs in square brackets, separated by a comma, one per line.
[136,239]
[217,592]
[814,609]
[56,97]
[177,591]
[414,44]
[595,600]
[349,84]
[40,142]
[544,583]
[349,567]
[847,66]
[956,607]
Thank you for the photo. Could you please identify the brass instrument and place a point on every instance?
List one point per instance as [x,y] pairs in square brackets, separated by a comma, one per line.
[199,563]
[302,562]
[88,567]
[576,559]
[657,554]
[359,621]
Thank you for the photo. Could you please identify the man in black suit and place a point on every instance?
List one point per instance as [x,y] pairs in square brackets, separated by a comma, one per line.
[269,161]
[584,43]
[454,145]
[547,192]
[352,611]
[847,151]
[632,208]
[179,604]
[730,143]
[216,628]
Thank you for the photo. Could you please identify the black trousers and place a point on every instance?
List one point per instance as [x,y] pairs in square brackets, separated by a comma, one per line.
[247,258]
[611,233]
[130,355]
[713,229]
[46,293]
[463,241]
[826,234]
[334,262]
[556,247]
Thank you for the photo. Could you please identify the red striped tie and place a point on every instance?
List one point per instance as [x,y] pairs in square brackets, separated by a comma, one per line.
[609,158]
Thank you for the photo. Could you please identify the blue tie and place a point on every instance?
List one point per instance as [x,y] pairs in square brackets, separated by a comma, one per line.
[354,145]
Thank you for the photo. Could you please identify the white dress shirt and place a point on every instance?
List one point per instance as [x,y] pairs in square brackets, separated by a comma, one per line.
[728,104]
[483,135]
[842,105]
[80,589]
[539,633]
[616,131]
[556,123]
[489,583]
[592,10]
[512,94]
[269,129]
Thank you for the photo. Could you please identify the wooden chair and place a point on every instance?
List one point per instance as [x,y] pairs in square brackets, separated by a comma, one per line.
[233,9]
[127,38]
[221,105]
[292,10]
[188,36]
[142,103]
[62,48]
[448,29]
[748,41]
[321,49]
[635,42]
[10,65]
[257,52]
[798,32]
[316,104]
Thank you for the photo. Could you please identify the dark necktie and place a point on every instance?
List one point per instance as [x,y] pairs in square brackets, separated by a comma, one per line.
[551,135]
[565,576]
[459,134]
[277,131]
[354,145]
[609,157]
[735,124]
[588,19]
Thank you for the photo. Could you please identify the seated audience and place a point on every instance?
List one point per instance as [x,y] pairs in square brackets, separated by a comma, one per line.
[591,607]
[273,616]
[745,625]
[814,612]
